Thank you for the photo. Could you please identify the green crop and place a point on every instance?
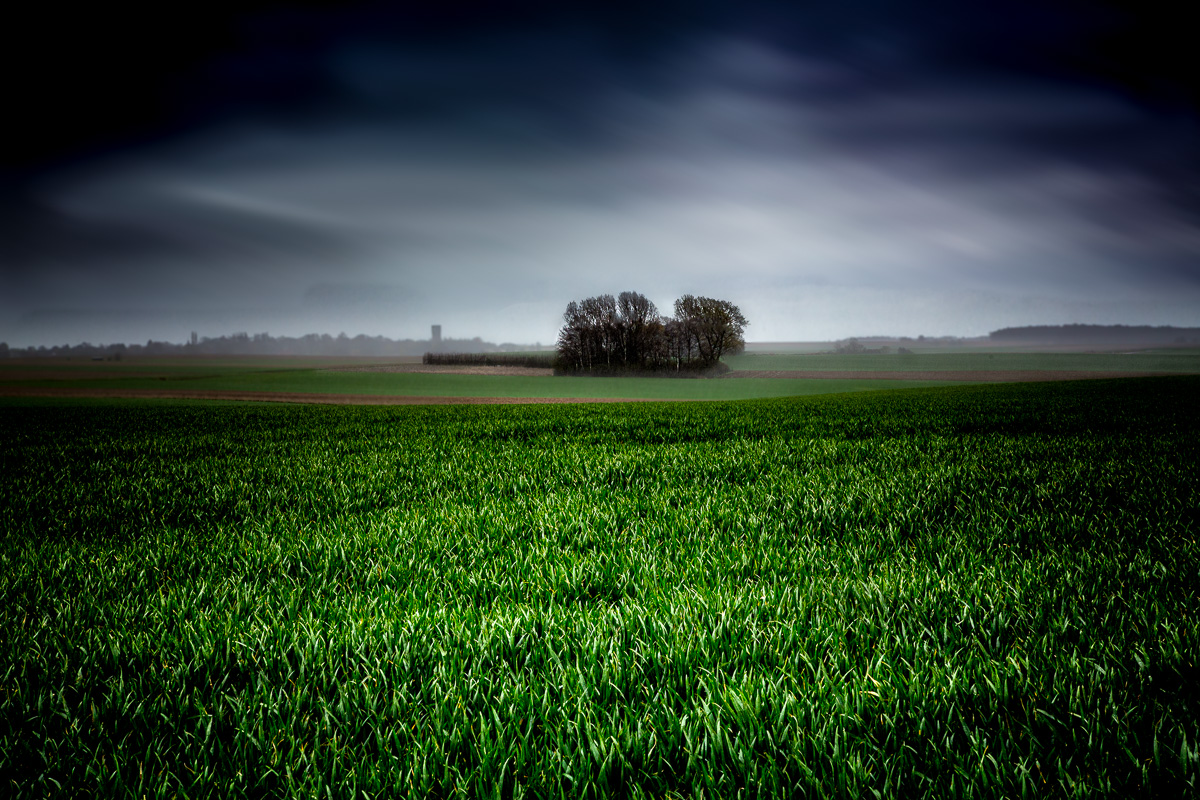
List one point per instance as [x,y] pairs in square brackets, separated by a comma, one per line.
[1178,360]
[415,384]
[983,591]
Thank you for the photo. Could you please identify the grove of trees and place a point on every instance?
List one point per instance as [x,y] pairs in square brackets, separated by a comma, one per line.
[627,334]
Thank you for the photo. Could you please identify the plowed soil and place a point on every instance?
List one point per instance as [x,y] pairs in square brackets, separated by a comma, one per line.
[971,376]
[296,397]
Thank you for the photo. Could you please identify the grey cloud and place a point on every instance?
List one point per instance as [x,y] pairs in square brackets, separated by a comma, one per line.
[356,296]
[737,171]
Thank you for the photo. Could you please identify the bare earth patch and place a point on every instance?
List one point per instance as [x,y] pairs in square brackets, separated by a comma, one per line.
[297,397]
[49,374]
[971,376]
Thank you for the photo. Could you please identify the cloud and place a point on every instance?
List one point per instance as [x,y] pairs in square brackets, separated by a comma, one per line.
[738,168]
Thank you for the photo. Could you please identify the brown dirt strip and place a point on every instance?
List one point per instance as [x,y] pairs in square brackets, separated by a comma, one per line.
[296,397]
[7,374]
[969,376]
[58,373]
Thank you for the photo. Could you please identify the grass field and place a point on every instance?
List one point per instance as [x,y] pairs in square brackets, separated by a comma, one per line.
[1184,361]
[314,375]
[984,591]
[182,366]
[284,376]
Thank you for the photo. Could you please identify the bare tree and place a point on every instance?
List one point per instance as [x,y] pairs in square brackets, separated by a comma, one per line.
[571,349]
[638,322]
[600,313]
[610,334]
[714,327]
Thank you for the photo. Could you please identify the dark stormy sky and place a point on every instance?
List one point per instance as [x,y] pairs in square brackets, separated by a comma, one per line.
[835,168]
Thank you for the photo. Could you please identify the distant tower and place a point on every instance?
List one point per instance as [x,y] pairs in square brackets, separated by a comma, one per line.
[193,338]
[436,338]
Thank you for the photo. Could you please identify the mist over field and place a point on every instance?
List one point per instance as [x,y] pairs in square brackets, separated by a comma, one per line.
[834,171]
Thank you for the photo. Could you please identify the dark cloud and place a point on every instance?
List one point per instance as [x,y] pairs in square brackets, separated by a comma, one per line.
[320,166]
[136,230]
[104,76]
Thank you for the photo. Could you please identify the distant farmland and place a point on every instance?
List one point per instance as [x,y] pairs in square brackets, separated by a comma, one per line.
[394,380]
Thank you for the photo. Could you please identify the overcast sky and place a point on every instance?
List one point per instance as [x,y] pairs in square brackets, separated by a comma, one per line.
[834,168]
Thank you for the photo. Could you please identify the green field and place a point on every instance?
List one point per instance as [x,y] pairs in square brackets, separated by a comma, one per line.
[315,376]
[416,384]
[1184,361]
[182,366]
[983,591]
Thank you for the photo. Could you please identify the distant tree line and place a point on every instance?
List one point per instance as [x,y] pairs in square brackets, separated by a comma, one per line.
[1098,334]
[853,346]
[535,360]
[609,335]
[261,344]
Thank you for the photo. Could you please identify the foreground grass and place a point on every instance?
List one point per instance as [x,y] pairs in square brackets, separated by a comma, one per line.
[984,591]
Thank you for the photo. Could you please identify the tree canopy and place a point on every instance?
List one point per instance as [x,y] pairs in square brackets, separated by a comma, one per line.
[626,333]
